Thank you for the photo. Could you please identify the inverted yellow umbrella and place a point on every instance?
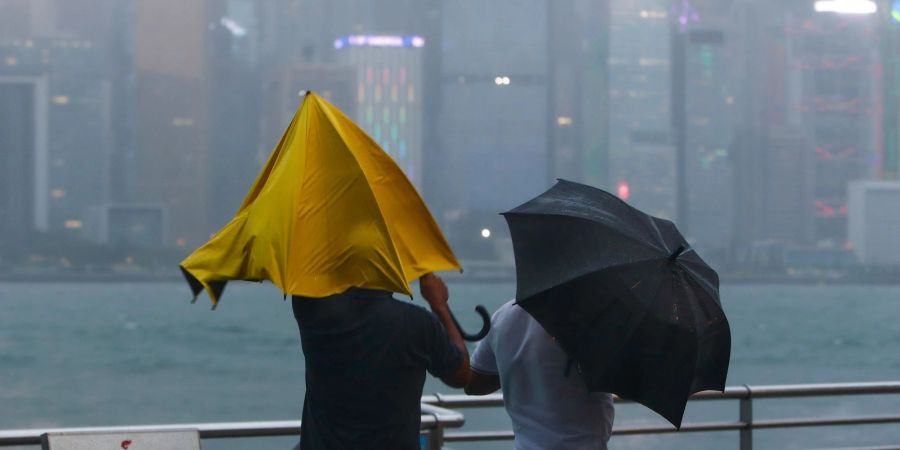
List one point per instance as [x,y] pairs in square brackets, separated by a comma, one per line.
[329,211]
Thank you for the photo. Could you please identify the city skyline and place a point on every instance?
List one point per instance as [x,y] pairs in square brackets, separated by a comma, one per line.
[753,136]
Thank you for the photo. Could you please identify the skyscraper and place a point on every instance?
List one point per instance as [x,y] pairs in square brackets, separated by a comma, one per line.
[705,104]
[839,62]
[56,77]
[641,151]
[493,118]
[578,128]
[888,23]
[172,160]
[388,93]
[770,151]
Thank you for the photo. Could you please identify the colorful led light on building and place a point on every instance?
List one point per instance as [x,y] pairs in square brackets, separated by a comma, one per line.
[359,40]
[389,72]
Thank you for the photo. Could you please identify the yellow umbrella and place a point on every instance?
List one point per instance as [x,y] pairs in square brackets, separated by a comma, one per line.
[329,211]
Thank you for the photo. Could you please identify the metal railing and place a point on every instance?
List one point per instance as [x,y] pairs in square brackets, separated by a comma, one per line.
[746,423]
[434,421]
[437,417]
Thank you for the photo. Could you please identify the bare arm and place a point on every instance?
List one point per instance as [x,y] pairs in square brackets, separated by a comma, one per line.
[436,294]
[482,383]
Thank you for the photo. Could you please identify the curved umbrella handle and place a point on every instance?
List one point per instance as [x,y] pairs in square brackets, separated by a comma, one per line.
[485,325]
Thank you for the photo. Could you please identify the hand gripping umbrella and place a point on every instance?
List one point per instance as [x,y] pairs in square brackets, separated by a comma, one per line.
[330,210]
[623,293]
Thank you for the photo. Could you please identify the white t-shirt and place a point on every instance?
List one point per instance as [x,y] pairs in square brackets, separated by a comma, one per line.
[548,410]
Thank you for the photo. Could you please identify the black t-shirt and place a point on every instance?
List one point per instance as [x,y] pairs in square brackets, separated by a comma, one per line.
[366,356]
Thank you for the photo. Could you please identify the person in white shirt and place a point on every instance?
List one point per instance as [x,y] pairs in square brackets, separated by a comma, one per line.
[550,406]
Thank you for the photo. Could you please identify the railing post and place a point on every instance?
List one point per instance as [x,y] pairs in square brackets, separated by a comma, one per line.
[746,417]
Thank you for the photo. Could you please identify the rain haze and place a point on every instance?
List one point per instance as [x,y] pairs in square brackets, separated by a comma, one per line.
[132,130]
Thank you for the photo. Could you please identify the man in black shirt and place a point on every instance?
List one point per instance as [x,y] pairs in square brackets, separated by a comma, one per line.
[366,357]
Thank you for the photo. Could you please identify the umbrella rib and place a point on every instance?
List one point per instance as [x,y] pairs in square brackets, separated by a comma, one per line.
[395,254]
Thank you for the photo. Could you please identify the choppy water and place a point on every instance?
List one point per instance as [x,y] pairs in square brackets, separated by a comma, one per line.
[120,354]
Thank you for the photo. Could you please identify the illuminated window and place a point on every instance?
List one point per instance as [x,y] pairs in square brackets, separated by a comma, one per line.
[11,61]
[61,99]
[563,121]
[394,93]
[72,224]
[361,93]
[385,76]
[377,93]
[410,94]
[58,193]
[402,76]
[181,242]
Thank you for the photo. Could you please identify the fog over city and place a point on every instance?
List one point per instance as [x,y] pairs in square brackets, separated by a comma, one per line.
[767,130]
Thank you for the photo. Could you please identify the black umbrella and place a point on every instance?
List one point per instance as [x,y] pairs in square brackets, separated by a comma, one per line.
[623,293]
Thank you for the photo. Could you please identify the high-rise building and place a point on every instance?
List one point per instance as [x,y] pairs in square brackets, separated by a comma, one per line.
[493,118]
[578,130]
[888,99]
[56,75]
[388,93]
[703,98]
[386,44]
[770,151]
[172,158]
[234,80]
[838,57]
[641,152]
[19,211]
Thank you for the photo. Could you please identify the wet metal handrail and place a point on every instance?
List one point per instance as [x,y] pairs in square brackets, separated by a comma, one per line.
[434,420]
[745,424]
[437,416]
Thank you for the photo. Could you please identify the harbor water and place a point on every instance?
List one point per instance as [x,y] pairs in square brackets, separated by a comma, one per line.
[104,354]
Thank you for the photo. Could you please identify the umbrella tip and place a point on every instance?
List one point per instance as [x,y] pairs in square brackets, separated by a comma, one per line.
[194,300]
[677,253]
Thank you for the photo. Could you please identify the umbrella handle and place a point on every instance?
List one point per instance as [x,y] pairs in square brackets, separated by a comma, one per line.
[485,325]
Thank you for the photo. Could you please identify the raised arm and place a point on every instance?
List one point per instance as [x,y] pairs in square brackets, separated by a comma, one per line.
[436,294]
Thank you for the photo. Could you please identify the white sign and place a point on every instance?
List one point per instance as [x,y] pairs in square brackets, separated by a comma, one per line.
[123,440]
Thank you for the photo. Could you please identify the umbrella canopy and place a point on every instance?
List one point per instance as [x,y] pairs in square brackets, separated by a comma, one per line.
[623,294]
[330,210]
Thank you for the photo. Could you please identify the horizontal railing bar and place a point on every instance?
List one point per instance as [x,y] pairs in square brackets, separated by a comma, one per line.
[825,389]
[731,392]
[479,436]
[206,430]
[431,416]
[434,413]
[799,423]
[877,447]
[469,436]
